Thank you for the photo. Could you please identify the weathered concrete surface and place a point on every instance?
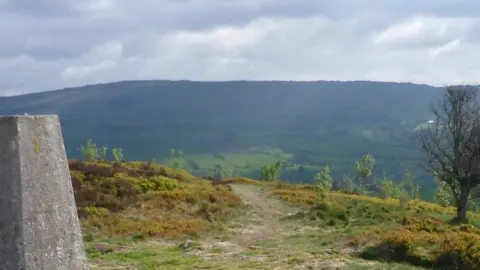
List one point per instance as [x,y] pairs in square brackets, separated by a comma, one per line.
[39,225]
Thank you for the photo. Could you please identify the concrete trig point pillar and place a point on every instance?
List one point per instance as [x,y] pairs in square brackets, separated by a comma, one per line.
[39,225]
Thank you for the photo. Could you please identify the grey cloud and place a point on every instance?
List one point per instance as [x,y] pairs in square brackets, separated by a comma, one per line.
[47,52]
[447,8]
[312,39]
[57,38]
[43,8]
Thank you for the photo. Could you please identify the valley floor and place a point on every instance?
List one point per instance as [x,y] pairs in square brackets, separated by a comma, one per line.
[261,236]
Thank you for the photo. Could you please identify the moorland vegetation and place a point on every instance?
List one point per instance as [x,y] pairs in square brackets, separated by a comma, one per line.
[125,205]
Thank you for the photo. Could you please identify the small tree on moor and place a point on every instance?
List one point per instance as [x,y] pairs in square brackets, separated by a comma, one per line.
[452,143]
[364,168]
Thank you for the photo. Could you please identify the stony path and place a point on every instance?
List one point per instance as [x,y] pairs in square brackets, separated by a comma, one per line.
[263,217]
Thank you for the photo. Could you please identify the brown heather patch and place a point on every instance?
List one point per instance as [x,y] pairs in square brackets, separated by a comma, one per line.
[135,198]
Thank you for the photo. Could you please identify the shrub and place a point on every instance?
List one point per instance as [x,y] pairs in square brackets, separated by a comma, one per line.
[271,172]
[364,168]
[395,247]
[89,150]
[388,189]
[157,183]
[459,252]
[324,182]
[117,154]
[176,157]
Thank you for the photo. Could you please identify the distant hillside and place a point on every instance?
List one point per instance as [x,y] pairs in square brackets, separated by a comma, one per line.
[243,124]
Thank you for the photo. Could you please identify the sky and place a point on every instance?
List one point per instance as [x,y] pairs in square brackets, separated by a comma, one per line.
[52,44]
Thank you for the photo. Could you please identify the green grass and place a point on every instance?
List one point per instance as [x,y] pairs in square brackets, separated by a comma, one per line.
[147,258]
[248,160]
[241,163]
[208,161]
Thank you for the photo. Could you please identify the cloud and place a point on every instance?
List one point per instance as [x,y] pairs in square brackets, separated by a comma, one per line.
[82,71]
[100,60]
[450,46]
[424,31]
[43,8]
[54,44]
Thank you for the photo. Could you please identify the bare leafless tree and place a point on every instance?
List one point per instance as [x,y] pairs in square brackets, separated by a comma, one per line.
[452,143]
